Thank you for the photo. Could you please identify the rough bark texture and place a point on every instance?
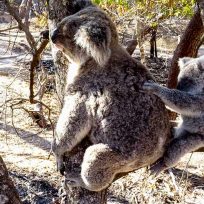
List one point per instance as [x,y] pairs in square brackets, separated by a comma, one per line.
[131,46]
[188,46]
[8,193]
[153,43]
[78,195]
[57,11]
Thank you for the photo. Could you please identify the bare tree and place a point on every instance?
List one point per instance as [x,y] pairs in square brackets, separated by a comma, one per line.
[36,50]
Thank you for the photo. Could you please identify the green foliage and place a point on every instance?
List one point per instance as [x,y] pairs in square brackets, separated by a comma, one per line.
[152,12]
[151,8]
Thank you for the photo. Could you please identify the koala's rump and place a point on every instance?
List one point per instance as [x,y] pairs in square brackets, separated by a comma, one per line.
[131,124]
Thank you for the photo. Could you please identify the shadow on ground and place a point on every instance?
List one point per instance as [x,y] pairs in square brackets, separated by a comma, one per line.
[27,136]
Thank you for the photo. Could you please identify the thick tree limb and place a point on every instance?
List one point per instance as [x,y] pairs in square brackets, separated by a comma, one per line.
[73,165]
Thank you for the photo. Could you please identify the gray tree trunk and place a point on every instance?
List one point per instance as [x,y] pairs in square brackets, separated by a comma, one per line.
[79,195]
[57,11]
[8,193]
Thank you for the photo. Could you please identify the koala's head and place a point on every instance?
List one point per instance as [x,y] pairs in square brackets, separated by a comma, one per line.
[87,34]
[191,76]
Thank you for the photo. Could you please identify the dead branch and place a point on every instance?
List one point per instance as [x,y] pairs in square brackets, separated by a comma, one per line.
[34,64]
[8,29]
[22,26]
[22,8]
[36,116]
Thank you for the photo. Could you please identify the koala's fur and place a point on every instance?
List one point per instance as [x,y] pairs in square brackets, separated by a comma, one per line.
[128,128]
[188,101]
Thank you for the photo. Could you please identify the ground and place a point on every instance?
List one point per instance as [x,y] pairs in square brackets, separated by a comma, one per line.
[25,147]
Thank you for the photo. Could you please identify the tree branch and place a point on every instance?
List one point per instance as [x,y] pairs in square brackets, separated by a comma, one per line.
[7,29]
[34,64]
[22,26]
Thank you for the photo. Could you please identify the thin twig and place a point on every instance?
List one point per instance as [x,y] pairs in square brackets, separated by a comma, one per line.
[23,100]
[12,111]
[8,29]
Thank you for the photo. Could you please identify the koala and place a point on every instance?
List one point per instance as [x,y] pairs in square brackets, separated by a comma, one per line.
[188,101]
[128,129]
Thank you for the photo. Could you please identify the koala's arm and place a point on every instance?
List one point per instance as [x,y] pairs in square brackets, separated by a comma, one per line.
[73,125]
[179,101]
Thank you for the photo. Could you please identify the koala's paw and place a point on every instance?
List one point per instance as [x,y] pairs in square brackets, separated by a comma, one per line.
[60,166]
[62,169]
[157,168]
[73,181]
[150,87]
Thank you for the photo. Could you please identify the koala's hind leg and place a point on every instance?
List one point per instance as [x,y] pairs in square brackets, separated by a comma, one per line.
[99,167]
[177,149]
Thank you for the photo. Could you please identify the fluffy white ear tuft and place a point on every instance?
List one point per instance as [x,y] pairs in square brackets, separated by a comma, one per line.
[95,39]
[184,61]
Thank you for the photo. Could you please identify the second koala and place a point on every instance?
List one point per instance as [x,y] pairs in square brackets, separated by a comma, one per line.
[188,101]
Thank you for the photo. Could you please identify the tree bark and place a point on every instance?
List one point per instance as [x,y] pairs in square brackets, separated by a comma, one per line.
[131,46]
[188,46]
[73,166]
[8,193]
[153,43]
[57,11]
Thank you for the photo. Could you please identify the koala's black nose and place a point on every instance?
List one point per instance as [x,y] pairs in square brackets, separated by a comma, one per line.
[54,35]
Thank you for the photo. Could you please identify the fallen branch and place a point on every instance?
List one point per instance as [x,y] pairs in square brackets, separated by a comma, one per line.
[33,114]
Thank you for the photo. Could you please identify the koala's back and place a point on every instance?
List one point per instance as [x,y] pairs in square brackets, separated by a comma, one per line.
[129,121]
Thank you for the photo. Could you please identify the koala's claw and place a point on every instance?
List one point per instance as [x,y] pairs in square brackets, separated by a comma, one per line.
[73,182]
[60,166]
[157,168]
[62,169]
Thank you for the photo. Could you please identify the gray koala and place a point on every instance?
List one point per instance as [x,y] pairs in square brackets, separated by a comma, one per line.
[128,129]
[188,101]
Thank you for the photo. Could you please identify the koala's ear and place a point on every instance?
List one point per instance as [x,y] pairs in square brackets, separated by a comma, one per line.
[81,4]
[184,61]
[95,39]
